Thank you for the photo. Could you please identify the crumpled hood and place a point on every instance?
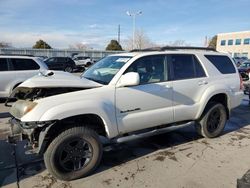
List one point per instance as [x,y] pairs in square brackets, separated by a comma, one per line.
[51,79]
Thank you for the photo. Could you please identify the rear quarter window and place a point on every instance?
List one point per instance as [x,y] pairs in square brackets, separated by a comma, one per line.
[24,64]
[3,64]
[222,63]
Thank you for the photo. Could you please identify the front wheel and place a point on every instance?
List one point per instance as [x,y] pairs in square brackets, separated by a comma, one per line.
[213,120]
[73,154]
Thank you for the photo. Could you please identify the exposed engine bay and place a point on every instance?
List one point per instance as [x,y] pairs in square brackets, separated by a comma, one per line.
[24,93]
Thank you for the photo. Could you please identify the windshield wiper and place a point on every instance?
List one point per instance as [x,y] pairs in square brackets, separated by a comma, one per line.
[98,81]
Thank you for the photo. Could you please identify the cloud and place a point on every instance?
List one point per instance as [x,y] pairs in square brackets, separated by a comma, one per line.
[55,39]
[93,26]
[171,30]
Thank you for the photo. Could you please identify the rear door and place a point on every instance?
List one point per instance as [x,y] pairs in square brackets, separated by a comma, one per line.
[6,77]
[55,63]
[23,69]
[69,62]
[189,82]
[61,63]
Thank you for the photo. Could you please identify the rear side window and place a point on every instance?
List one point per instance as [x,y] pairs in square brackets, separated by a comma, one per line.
[63,59]
[3,64]
[24,64]
[51,60]
[185,67]
[222,63]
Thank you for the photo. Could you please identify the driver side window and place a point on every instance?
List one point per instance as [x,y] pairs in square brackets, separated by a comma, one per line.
[151,69]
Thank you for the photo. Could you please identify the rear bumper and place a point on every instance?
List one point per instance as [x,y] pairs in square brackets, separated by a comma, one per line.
[236,98]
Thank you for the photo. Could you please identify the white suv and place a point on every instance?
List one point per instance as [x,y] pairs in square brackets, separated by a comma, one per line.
[124,97]
[16,69]
[82,61]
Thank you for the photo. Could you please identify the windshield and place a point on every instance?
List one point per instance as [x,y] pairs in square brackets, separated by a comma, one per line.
[105,69]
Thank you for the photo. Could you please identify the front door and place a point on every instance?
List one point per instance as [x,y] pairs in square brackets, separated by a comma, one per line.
[150,103]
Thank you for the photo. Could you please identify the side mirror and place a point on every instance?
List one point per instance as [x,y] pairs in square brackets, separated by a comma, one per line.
[129,79]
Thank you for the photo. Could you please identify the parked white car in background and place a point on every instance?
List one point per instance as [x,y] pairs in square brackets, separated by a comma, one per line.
[16,69]
[83,61]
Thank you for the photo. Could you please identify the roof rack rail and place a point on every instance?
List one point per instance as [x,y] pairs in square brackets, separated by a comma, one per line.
[147,49]
[173,48]
[187,48]
[17,55]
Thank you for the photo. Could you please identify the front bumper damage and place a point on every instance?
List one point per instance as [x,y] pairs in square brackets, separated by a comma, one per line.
[32,131]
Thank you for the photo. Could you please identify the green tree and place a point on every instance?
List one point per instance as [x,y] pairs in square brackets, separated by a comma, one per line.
[213,42]
[114,45]
[40,44]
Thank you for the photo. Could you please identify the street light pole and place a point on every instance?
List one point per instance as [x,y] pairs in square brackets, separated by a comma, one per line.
[133,15]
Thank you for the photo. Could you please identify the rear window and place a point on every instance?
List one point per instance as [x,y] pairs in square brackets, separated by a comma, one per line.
[186,67]
[222,63]
[24,64]
[3,64]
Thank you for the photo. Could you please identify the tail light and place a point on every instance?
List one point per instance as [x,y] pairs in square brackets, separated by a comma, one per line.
[241,83]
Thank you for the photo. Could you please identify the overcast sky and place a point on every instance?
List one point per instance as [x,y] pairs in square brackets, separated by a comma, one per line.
[95,22]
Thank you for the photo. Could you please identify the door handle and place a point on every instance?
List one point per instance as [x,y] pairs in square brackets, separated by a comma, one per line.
[203,82]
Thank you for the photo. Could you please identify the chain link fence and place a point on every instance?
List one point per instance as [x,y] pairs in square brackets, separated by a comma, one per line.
[94,54]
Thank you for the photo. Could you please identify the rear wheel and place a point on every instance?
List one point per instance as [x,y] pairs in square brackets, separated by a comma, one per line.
[68,69]
[73,154]
[213,120]
[88,64]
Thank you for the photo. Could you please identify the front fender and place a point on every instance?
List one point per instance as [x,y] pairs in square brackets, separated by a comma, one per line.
[104,110]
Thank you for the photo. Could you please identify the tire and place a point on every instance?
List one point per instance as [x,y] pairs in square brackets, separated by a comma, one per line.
[88,64]
[60,156]
[82,69]
[213,120]
[68,69]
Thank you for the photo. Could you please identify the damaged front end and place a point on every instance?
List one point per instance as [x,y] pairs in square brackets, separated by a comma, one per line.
[25,100]
[31,94]
[50,84]
[26,97]
[30,131]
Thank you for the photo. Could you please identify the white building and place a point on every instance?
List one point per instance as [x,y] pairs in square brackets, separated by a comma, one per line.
[236,43]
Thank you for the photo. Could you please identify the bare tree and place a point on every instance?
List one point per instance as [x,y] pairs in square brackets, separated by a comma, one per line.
[78,46]
[5,45]
[212,42]
[141,41]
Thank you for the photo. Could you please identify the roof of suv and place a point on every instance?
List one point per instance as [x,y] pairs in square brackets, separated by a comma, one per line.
[17,56]
[133,54]
[171,49]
